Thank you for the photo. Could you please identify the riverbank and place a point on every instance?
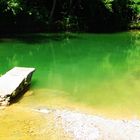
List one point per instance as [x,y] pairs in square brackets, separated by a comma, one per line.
[63,123]
[80,126]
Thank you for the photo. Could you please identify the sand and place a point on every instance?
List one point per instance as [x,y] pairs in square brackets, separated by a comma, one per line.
[81,126]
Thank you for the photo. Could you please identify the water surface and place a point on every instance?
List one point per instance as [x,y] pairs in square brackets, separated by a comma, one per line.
[99,71]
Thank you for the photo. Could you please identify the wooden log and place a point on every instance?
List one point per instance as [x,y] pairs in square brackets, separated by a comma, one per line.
[14,82]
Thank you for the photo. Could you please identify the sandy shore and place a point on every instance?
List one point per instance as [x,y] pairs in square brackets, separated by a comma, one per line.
[80,126]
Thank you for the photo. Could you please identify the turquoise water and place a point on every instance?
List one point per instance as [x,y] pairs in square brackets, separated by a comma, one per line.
[99,70]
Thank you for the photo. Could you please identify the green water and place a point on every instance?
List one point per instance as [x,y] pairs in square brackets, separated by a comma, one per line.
[97,70]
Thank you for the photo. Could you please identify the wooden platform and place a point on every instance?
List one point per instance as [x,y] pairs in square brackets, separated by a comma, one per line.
[14,82]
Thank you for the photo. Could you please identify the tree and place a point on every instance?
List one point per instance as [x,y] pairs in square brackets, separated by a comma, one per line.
[122,13]
[67,15]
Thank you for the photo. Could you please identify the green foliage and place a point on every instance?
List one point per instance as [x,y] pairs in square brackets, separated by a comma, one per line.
[69,15]
[123,13]
[70,23]
[14,5]
[11,5]
[108,4]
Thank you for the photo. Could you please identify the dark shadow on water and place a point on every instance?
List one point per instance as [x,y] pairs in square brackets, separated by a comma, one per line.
[36,38]
[19,96]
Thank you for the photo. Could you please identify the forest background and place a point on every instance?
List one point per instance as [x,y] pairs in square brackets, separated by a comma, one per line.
[22,16]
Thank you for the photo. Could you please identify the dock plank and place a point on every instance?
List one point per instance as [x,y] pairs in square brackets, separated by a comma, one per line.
[13,82]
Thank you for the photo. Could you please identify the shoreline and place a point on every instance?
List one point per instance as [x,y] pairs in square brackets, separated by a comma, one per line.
[81,126]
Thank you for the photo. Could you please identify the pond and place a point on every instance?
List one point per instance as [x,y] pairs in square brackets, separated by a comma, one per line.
[96,73]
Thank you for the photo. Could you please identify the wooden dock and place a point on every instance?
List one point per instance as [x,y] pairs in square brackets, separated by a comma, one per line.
[14,82]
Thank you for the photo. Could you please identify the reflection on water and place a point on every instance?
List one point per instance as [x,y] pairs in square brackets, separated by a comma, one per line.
[97,70]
